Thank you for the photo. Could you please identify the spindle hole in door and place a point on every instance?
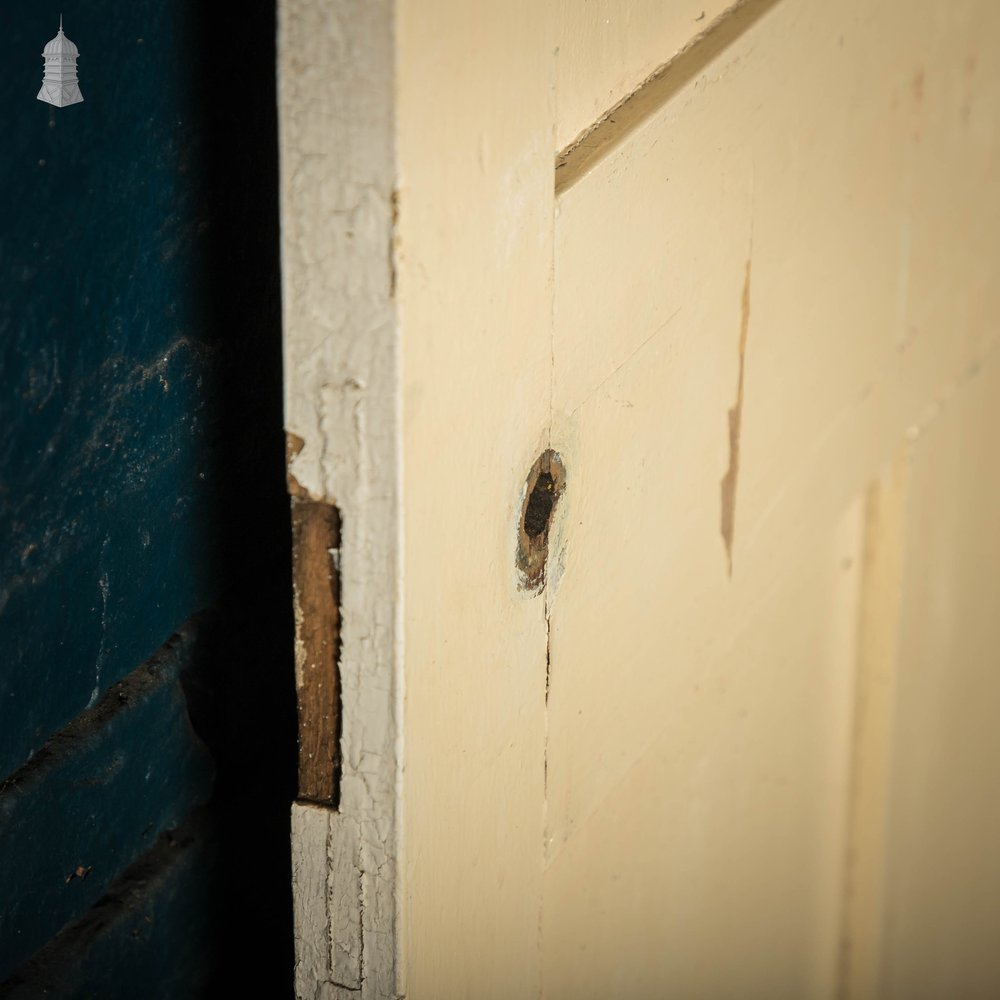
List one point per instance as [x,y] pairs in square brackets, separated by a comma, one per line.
[543,488]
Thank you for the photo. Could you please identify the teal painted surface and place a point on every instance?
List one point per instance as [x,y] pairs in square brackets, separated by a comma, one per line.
[141,464]
[109,412]
[95,799]
[127,946]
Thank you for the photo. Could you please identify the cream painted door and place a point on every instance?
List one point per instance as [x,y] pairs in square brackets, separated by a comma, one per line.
[642,385]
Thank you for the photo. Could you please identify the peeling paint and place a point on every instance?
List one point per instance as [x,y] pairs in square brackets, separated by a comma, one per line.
[293,448]
[340,206]
[729,480]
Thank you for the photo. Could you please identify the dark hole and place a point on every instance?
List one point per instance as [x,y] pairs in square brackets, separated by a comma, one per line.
[540,504]
[547,481]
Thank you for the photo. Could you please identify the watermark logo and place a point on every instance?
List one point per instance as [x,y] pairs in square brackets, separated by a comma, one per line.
[60,86]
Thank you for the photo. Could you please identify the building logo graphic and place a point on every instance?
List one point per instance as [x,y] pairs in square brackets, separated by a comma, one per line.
[59,87]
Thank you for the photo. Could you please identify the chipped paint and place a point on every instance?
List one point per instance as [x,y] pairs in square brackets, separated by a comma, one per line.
[339,243]
[729,480]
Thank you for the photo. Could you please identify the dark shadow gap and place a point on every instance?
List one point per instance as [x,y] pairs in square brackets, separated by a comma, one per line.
[252,733]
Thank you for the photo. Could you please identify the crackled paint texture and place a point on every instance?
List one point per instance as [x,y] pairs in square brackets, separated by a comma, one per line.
[341,403]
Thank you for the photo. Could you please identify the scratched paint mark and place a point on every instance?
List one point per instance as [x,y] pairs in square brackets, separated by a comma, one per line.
[105,586]
[112,448]
[735,425]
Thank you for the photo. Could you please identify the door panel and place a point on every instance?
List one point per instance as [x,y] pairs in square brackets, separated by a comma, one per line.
[942,876]
[748,346]
[712,862]
[747,321]
[753,313]
[476,249]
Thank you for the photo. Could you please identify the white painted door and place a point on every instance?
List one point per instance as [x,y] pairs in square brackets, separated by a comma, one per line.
[647,353]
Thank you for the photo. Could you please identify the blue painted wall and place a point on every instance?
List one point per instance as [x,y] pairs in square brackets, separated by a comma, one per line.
[141,471]
[95,799]
[109,413]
